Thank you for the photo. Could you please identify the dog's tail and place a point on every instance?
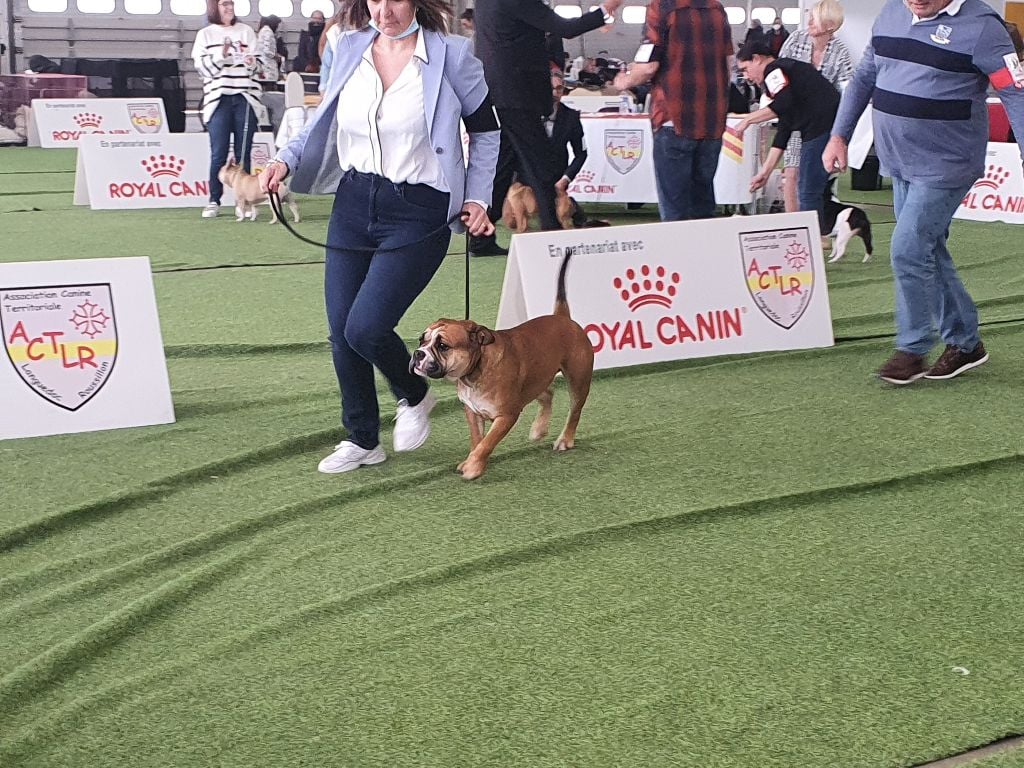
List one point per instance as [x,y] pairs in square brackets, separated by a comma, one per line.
[865,233]
[561,303]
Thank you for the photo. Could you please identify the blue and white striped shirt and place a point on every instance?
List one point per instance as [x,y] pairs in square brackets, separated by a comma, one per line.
[927,79]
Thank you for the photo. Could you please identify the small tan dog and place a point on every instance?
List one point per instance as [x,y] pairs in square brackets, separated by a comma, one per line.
[248,195]
[520,204]
[499,372]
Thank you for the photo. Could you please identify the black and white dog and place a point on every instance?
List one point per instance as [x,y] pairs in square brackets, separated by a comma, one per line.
[843,221]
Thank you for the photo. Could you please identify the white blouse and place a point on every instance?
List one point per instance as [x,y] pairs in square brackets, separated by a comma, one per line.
[385,132]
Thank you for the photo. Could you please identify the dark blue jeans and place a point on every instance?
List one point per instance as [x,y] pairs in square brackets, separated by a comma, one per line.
[811,186]
[368,292]
[227,122]
[685,173]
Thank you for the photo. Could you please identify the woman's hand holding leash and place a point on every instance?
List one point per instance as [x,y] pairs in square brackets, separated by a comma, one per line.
[476,222]
[272,175]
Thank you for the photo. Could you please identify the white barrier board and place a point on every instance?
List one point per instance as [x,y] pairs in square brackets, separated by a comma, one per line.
[82,348]
[999,194]
[590,101]
[166,171]
[57,123]
[652,292]
[620,163]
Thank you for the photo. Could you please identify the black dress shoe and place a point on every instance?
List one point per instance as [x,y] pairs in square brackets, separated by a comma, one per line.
[486,246]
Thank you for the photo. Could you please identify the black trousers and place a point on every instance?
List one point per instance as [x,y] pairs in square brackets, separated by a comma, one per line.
[524,148]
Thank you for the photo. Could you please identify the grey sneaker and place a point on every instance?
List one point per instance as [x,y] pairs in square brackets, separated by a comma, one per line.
[211,211]
[954,361]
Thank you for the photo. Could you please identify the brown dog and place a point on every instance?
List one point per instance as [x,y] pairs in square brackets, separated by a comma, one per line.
[499,372]
[520,204]
[248,194]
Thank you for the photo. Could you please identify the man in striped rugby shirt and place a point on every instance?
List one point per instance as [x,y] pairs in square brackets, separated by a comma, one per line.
[926,71]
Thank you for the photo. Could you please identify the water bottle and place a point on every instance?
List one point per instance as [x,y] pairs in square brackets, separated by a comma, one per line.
[625,104]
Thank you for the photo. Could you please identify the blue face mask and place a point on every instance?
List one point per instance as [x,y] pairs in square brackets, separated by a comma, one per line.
[412,29]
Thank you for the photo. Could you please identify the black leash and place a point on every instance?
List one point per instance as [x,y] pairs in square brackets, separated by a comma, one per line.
[275,204]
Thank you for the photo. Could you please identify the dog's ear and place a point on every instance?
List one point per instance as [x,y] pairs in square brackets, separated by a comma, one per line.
[480,335]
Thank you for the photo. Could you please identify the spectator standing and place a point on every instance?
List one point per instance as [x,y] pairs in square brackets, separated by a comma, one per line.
[755,32]
[817,45]
[776,36]
[224,55]
[467,25]
[510,41]
[803,101]
[926,71]
[389,129]
[686,50]
[308,57]
[267,48]
[335,28]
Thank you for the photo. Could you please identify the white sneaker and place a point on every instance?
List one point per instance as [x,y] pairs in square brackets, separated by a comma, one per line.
[211,211]
[412,423]
[348,456]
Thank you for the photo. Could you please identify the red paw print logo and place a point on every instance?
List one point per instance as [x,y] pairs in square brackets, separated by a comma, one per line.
[87,120]
[994,177]
[163,165]
[638,288]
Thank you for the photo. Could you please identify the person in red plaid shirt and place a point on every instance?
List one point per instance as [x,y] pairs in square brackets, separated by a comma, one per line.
[685,53]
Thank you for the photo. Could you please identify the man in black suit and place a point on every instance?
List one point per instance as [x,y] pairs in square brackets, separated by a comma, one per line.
[510,43]
[564,130]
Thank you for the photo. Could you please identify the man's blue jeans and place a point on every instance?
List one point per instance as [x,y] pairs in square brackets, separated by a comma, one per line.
[685,173]
[229,121]
[928,289]
[368,292]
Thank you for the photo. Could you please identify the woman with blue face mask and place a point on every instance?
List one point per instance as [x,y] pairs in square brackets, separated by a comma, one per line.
[386,142]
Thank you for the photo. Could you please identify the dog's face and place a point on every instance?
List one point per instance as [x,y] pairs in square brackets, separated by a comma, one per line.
[450,349]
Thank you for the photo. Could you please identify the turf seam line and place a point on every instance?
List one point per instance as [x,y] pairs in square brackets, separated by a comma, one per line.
[492,562]
[161,488]
[1009,743]
[876,336]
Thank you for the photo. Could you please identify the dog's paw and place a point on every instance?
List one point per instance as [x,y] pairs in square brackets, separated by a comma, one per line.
[471,469]
[564,444]
[538,433]
[866,259]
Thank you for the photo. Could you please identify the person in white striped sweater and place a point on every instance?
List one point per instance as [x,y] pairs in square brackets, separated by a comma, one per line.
[224,55]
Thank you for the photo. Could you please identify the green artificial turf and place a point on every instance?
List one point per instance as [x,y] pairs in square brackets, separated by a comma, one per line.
[769,560]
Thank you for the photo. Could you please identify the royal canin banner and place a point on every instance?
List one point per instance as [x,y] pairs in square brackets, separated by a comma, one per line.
[653,292]
[81,348]
[60,123]
[620,163]
[999,194]
[167,171]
